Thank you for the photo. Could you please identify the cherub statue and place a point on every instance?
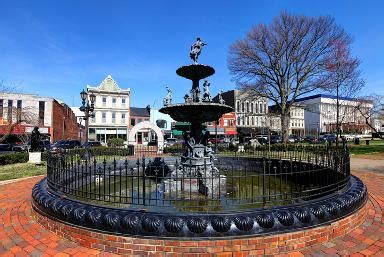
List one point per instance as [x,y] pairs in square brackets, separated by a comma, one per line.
[196,50]
[221,100]
[168,98]
[207,94]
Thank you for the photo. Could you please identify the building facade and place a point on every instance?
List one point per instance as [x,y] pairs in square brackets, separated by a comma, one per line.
[138,115]
[251,112]
[226,125]
[56,120]
[320,114]
[296,124]
[112,114]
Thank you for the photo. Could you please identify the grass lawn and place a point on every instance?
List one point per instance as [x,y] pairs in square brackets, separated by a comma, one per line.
[375,146]
[20,170]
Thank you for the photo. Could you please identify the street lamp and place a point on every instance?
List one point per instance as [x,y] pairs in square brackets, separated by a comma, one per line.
[87,107]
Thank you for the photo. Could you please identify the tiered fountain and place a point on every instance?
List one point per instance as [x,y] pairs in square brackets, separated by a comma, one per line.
[197,162]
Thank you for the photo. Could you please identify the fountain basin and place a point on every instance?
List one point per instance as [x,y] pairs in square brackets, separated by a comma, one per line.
[195,71]
[196,111]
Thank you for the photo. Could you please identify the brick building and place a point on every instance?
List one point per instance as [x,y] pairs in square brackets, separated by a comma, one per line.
[55,119]
[226,125]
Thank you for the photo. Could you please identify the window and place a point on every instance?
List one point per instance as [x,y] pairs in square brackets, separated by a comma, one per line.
[257,121]
[113,117]
[252,107]
[104,101]
[257,108]
[113,101]
[133,121]
[10,107]
[139,120]
[247,121]
[103,117]
[231,122]
[265,108]
[93,117]
[225,123]
[242,107]
[247,104]
[123,118]
[253,121]
[123,102]
[41,112]
[238,106]
[19,104]
[1,107]
[261,108]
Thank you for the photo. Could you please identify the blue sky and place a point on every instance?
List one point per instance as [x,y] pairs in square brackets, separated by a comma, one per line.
[56,48]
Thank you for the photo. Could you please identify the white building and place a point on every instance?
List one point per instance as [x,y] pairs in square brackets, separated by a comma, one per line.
[251,111]
[112,114]
[296,124]
[320,114]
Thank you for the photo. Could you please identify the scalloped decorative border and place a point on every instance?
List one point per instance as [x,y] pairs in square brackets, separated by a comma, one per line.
[214,225]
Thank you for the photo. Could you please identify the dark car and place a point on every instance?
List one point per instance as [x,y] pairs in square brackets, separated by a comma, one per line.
[5,147]
[330,138]
[92,144]
[310,139]
[294,138]
[20,147]
[66,144]
[276,139]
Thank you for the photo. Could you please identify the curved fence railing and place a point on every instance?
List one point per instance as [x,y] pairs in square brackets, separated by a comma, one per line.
[253,179]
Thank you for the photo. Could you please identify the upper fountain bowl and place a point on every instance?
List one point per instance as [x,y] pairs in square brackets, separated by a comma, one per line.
[195,71]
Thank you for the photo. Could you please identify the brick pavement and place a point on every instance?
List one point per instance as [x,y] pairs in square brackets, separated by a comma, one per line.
[20,235]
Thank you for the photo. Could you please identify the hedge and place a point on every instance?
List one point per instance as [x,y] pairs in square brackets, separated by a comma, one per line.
[13,158]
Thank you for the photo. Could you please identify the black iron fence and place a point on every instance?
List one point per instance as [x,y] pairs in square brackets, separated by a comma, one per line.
[262,177]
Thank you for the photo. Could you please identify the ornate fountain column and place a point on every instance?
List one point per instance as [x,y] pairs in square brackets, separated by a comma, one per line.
[197,162]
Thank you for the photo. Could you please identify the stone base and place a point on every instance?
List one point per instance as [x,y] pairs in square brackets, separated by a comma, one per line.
[253,245]
[34,157]
[211,187]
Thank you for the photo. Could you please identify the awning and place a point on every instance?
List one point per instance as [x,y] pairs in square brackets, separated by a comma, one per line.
[212,131]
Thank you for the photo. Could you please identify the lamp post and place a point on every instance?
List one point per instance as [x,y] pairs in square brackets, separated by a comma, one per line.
[87,107]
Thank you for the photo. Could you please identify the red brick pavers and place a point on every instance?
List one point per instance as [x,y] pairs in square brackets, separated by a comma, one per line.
[21,235]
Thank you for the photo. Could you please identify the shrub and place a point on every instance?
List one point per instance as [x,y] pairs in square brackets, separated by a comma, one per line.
[13,158]
[114,142]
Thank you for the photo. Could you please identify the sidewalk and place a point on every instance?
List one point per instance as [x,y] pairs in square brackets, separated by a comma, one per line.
[20,235]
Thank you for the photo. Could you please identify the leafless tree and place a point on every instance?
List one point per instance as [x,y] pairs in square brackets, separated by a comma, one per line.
[15,116]
[371,114]
[20,116]
[286,59]
[343,76]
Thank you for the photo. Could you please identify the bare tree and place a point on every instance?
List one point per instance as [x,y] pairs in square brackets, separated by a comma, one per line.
[26,115]
[343,75]
[371,114]
[286,59]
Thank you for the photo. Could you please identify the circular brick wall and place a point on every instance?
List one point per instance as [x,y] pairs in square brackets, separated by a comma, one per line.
[253,245]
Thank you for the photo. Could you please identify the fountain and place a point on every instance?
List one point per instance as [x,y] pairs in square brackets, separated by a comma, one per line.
[197,162]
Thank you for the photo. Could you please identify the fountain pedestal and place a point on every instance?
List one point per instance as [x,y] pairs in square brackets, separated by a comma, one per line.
[196,175]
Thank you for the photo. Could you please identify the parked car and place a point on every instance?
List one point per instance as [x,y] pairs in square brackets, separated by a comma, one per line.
[92,144]
[310,139]
[66,144]
[275,139]
[5,147]
[294,138]
[20,147]
[330,138]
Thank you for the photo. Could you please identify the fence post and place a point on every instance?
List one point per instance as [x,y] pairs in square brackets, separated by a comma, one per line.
[143,176]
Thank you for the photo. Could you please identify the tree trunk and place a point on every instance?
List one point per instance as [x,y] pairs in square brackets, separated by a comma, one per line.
[285,119]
